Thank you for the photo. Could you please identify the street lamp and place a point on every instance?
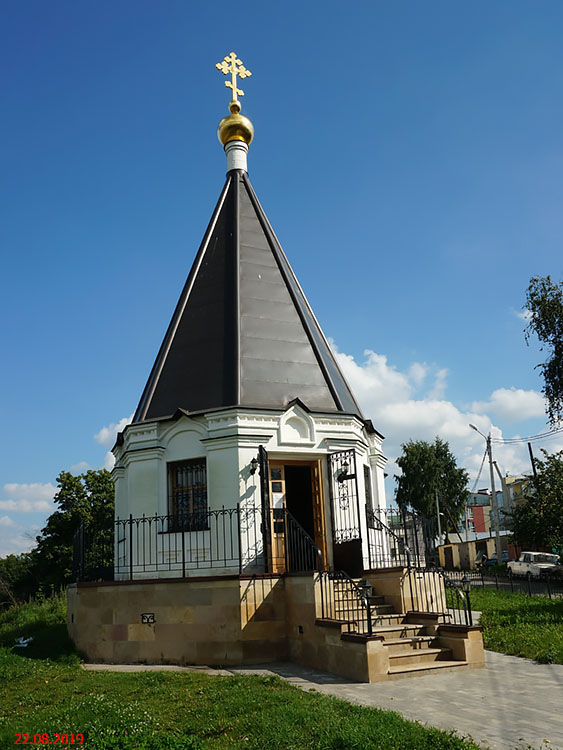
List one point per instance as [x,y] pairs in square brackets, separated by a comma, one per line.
[494,506]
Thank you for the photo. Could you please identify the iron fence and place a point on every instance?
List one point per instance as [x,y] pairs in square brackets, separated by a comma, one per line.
[432,590]
[343,599]
[399,537]
[548,585]
[237,540]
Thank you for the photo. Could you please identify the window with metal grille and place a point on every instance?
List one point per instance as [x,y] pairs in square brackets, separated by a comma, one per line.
[187,495]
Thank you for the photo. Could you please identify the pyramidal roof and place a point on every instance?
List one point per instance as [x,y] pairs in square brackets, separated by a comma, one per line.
[243,333]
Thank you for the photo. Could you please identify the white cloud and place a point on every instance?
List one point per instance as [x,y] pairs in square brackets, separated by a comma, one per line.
[80,467]
[524,315]
[15,545]
[440,384]
[513,404]
[6,521]
[417,372]
[109,461]
[390,398]
[107,435]
[29,498]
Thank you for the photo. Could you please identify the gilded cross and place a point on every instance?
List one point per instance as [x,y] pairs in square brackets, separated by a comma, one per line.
[231,64]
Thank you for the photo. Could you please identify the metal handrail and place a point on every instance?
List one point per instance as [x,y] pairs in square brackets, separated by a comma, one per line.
[304,538]
[372,517]
[356,608]
[430,598]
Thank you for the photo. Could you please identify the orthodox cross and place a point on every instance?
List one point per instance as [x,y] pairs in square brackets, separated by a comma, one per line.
[231,64]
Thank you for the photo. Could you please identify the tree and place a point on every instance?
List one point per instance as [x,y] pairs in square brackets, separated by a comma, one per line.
[544,303]
[427,468]
[87,498]
[538,522]
[17,580]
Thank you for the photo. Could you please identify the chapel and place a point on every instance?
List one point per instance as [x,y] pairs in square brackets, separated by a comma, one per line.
[250,514]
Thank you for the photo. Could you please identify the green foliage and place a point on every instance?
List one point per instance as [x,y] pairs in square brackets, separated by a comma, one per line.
[427,467]
[186,711]
[521,625]
[17,580]
[544,301]
[87,498]
[538,522]
[42,619]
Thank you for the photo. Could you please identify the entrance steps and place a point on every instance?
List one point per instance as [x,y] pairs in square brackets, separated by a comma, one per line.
[413,647]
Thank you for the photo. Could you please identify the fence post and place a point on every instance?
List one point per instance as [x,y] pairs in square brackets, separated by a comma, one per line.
[130,546]
[183,532]
[368,615]
[285,538]
[548,586]
[239,541]
[368,536]
[529,579]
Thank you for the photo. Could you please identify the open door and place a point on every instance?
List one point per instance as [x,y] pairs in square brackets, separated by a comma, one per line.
[294,516]
[277,518]
[264,470]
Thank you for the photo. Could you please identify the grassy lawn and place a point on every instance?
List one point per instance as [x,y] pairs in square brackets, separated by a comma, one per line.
[43,690]
[521,625]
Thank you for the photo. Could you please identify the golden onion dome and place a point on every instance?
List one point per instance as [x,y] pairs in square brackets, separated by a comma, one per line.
[235,127]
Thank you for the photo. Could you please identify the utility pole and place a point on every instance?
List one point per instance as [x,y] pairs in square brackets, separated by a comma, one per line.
[532,460]
[438,517]
[494,507]
[506,503]
[466,524]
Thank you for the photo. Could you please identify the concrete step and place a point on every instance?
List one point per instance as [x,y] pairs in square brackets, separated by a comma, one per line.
[419,656]
[417,642]
[389,618]
[381,608]
[376,599]
[399,631]
[410,670]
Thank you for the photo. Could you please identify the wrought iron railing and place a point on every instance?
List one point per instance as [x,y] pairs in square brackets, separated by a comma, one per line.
[342,599]
[243,540]
[397,537]
[431,590]
[386,547]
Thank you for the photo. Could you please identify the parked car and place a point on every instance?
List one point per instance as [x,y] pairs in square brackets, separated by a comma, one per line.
[534,565]
[493,560]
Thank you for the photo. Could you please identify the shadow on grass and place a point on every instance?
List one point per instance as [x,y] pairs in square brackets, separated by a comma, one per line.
[49,642]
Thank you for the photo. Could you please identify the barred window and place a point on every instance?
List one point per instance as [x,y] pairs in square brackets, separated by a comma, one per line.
[187,495]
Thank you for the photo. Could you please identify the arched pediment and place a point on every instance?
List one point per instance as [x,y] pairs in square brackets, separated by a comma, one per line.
[182,439]
[296,427]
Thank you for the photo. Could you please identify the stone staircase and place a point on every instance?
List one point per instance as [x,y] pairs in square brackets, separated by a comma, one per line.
[413,647]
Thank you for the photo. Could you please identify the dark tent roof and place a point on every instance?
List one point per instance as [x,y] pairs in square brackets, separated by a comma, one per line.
[243,333]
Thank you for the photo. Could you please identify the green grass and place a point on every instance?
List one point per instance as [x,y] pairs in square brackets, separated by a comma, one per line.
[43,690]
[521,625]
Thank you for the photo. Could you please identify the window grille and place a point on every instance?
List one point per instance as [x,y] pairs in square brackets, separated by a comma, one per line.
[187,482]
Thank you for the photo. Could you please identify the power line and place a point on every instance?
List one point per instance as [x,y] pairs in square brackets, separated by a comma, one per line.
[480,470]
[532,438]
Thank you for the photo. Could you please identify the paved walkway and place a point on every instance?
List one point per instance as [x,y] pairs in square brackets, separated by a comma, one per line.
[514,703]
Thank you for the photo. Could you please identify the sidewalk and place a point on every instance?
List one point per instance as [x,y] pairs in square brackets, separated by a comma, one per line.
[513,703]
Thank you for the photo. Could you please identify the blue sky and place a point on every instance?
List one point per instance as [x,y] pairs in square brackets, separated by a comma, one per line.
[409,156]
